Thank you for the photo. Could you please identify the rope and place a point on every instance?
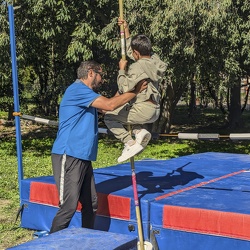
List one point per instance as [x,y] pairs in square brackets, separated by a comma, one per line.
[208,136]
[122,34]
[36,119]
[181,136]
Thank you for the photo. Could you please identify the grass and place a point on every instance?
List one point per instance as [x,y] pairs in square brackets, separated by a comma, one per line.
[37,141]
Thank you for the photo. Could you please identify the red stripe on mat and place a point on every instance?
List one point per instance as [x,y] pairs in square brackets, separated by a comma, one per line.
[198,185]
[114,206]
[204,221]
[108,205]
[44,193]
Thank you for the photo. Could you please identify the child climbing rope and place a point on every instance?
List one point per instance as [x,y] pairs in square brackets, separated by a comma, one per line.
[144,108]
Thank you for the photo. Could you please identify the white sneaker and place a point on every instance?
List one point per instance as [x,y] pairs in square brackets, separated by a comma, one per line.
[143,137]
[130,151]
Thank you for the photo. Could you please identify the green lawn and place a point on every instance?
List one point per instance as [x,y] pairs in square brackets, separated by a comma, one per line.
[37,142]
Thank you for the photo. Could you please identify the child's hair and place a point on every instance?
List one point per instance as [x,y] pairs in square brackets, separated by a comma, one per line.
[142,44]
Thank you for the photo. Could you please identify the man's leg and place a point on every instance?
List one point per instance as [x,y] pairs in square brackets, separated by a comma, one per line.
[69,174]
[88,198]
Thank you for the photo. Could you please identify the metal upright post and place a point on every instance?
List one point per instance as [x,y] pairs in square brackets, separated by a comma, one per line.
[16,94]
[123,46]
[137,202]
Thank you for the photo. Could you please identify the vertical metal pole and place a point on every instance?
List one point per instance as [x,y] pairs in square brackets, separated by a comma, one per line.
[132,162]
[16,94]
[137,204]
[123,46]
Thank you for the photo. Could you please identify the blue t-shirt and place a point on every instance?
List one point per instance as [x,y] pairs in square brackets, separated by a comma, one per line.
[77,134]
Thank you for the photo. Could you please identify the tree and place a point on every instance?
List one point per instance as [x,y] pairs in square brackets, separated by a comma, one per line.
[204,43]
[6,93]
[52,38]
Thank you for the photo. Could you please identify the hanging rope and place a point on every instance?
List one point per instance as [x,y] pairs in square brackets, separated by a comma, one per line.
[49,122]
[181,136]
[122,34]
[207,136]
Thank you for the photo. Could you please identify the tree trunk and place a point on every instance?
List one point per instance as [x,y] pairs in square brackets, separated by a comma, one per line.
[192,103]
[247,88]
[10,113]
[171,94]
[235,106]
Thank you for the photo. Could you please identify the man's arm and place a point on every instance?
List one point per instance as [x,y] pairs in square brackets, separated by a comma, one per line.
[110,104]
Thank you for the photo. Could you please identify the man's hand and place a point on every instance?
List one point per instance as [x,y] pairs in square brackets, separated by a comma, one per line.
[140,86]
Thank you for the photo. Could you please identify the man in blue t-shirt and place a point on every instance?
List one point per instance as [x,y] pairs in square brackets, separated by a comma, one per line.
[76,144]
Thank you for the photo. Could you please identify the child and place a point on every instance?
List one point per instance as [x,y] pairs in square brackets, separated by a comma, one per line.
[144,108]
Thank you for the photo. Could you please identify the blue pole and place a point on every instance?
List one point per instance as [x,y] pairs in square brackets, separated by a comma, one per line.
[16,95]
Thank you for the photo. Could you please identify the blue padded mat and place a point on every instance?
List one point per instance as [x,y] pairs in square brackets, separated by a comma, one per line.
[81,238]
[208,181]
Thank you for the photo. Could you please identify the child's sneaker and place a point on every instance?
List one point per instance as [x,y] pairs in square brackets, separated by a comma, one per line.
[130,151]
[143,137]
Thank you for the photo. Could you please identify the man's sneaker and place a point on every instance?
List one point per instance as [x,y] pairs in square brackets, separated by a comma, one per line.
[130,151]
[143,137]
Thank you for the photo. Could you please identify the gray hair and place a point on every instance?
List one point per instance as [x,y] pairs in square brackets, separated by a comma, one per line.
[82,71]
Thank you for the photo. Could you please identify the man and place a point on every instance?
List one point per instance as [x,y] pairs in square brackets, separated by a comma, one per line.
[76,144]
